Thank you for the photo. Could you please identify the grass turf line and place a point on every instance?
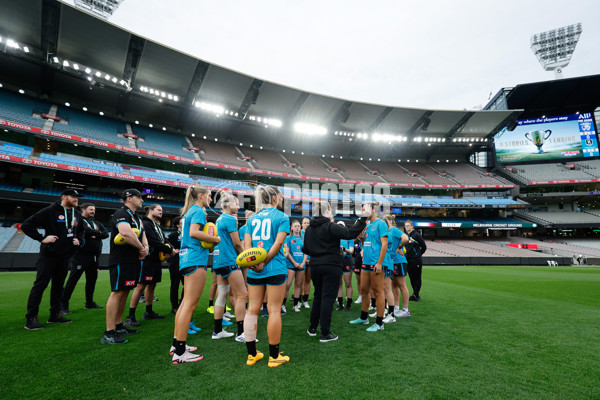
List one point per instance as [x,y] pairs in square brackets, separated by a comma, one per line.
[480,332]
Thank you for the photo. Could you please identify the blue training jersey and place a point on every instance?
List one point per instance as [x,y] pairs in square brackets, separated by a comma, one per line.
[192,253]
[372,243]
[224,253]
[294,244]
[347,244]
[394,239]
[242,231]
[263,228]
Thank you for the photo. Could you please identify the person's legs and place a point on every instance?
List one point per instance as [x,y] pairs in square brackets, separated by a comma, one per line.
[317,280]
[238,286]
[349,290]
[76,270]
[290,278]
[275,296]
[330,276]
[91,277]
[59,274]
[298,284]
[412,274]
[221,301]
[387,292]
[45,266]
[377,286]
[365,289]
[256,295]
[306,286]
[194,285]
[150,289]
[212,292]
[113,307]
[175,277]
[417,285]
[135,299]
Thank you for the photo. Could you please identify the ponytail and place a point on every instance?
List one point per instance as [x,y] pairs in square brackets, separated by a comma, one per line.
[191,195]
[390,219]
[226,198]
[264,196]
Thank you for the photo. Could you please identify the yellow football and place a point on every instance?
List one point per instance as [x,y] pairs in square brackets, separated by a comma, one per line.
[162,256]
[251,257]
[120,241]
[209,229]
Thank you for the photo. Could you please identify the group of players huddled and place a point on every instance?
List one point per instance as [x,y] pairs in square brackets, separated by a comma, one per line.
[383,256]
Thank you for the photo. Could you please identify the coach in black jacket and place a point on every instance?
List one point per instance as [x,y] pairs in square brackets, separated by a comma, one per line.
[63,233]
[414,251]
[86,259]
[322,244]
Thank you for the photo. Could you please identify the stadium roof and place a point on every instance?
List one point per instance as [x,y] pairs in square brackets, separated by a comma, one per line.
[130,74]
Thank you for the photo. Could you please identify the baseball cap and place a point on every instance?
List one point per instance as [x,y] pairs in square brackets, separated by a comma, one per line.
[71,192]
[132,192]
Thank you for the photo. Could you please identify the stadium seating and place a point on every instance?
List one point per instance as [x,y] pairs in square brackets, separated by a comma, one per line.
[218,153]
[311,166]
[20,108]
[161,175]
[162,142]
[81,162]
[5,235]
[11,188]
[91,126]
[563,217]
[487,201]
[559,246]
[548,172]
[472,248]
[16,150]
[267,160]
[353,170]
[468,174]
[428,174]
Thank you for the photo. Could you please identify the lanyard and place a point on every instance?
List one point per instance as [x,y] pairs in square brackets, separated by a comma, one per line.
[93,226]
[158,231]
[133,217]
[67,218]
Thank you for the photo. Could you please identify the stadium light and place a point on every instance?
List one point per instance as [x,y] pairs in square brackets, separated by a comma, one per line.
[555,48]
[214,108]
[100,8]
[309,129]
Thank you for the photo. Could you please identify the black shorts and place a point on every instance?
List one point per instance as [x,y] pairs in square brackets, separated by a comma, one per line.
[347,262]
[389,273]
[399,270]
[224,272]
[124,276]
[275,280]
[368,268]
[150,273]
[187,271]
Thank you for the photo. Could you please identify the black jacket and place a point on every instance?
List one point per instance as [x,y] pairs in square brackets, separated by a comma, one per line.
[92,237]
[157,241]
[322,240]
[175,239]
[416,246]
[52,220]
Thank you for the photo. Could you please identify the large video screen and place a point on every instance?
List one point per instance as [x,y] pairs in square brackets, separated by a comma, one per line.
[549,138]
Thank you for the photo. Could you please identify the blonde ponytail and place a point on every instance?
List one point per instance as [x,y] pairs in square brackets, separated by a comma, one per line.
[191,195]
[264,196]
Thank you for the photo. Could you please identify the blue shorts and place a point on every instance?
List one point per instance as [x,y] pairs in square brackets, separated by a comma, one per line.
[187,271]
[224,272]
[275,280]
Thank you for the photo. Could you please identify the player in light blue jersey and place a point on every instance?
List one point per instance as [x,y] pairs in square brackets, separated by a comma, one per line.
[193,260]
[306,286]
[375,243]
[296,264]
[346,251]
[393,268]
[228,273]
[268,229]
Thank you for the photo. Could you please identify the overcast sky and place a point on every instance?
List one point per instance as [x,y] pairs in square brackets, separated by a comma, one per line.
[444,54]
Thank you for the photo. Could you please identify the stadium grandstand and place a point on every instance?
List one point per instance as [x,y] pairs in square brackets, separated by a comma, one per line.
[137,113]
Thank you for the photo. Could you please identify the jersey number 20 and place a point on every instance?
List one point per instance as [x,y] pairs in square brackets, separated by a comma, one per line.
[261,229]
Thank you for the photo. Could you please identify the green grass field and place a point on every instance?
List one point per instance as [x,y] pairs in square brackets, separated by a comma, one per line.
[480,332]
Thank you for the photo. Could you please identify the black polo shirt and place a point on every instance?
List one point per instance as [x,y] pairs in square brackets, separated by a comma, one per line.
[124,254]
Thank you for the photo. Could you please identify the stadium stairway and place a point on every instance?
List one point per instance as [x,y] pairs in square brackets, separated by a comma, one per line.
[14,243]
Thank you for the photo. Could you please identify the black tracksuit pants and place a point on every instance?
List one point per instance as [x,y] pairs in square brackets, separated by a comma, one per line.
[176,279]
[49,267]
[79,264]
[415,267]
[326,282]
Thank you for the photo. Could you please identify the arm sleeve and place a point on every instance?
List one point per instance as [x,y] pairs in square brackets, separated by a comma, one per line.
[153,239]
[342,232]
[199,218]
[421,241]
[30,225]
[102,231]
[284,224]
[80,230]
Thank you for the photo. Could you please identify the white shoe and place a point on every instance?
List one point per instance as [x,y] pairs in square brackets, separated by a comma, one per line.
[242,338]
[306,305]
[371,308]
[225,318]
[297,307]
[359,300]
[396,310]
[283,309]
[187,348]
[373,314]
[389,318]
[186,357]
[222,334]
[402,314]
[228,315]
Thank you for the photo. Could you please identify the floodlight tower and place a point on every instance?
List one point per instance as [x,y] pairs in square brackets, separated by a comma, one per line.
[100,8]
[554,48]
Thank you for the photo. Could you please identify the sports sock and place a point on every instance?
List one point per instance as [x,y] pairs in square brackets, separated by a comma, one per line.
[373,302]
[304,297]
[211,303]
[179,347]
[218,325]
[240,326]
[174,342]
[284,301]
[390,309]
[296,300]
[274,350]
[404,309]
[132,312]
[348,302]
[379,320]
[149,309]
[251,347]
[364,315]
[108,333]
[265,306]
[119,327]
[341,301]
